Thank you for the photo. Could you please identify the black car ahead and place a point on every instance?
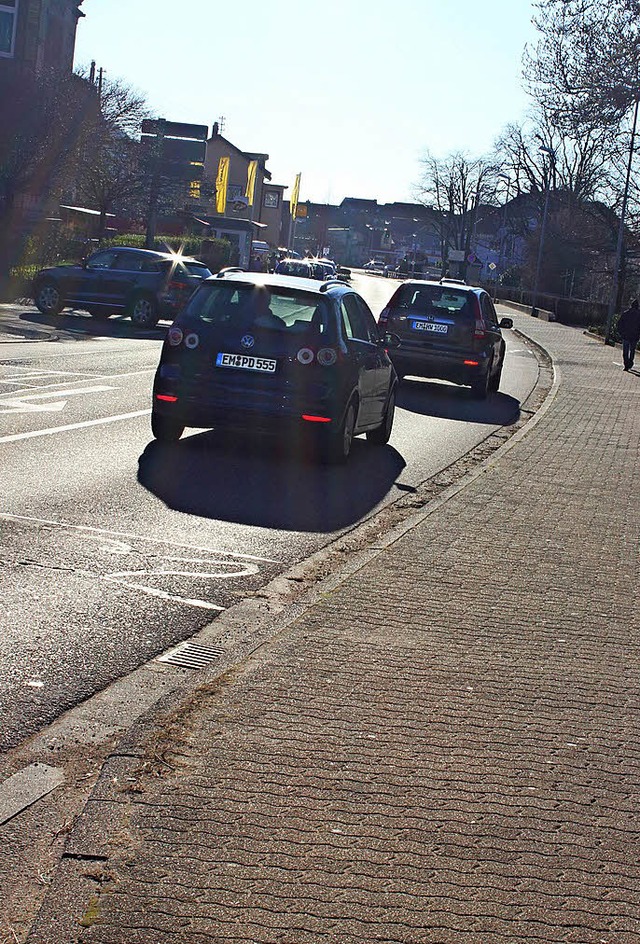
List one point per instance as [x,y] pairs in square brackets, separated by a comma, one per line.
[449,331]
[142,283]
[271,352]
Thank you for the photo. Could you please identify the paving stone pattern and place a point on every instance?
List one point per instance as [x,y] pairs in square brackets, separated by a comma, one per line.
[445,749]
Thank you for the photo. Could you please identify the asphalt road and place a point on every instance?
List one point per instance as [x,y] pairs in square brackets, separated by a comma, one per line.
[113,547]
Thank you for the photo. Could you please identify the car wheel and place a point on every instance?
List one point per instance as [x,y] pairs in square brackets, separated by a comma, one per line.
[165,428]
[338,446]
[480,387]
[144,311]
[494,383]
[48,298]
[381,435]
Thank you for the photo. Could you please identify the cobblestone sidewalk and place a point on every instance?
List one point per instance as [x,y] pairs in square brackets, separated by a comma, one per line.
[443,750]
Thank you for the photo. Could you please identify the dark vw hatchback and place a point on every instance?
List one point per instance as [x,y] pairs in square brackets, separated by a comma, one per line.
[252,351]
[448,331]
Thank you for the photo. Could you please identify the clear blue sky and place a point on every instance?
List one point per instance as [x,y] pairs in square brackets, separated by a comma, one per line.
[348,92]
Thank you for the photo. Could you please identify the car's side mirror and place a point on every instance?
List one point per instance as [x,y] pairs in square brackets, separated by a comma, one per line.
[506,323]
[390,340]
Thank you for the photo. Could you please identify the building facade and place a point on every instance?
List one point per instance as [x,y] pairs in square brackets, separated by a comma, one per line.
[266,213]
[38,35]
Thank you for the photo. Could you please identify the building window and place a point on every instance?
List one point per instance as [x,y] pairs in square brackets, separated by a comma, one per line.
[8,23]
[272,199]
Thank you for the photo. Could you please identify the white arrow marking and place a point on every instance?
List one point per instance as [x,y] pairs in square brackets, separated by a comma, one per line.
[19,407]
[23,404]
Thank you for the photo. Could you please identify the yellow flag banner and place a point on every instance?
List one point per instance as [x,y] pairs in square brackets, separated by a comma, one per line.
[221,184]
[252,172]
[295,194]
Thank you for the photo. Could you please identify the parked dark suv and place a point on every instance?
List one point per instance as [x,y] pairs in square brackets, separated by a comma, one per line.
[449,331]
[274,352]
[144,284]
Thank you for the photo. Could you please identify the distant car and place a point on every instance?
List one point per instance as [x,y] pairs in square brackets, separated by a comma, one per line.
[448,331]
[322,269]
[276,353]
[298,267]
[142,283]
[374,265]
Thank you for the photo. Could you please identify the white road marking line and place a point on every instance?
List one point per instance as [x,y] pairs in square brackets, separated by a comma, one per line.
[248,571]
[17,406]
[163,595]
[137,537]
[31,372]
[16,437]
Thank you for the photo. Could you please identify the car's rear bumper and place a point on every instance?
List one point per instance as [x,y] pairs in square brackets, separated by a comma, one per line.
[443,365]
[261,412]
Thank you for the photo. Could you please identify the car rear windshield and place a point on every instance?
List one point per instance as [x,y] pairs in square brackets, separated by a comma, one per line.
[250,306]
[181,268]
[434,300]
[198,269]
[291,267]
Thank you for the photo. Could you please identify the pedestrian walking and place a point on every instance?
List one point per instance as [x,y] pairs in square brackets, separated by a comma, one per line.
[629,331]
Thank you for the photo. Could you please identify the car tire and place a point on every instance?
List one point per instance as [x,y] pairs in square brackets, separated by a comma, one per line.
[480,388]
[143,310]
[381,435]
[494,383]
[337,446]
[48,298]
[166,428]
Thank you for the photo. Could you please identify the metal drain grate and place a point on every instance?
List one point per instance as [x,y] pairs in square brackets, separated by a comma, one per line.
[190,655]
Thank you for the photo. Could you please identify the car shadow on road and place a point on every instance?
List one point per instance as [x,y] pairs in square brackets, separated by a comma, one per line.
[82,323]
[450,402]
[259,481]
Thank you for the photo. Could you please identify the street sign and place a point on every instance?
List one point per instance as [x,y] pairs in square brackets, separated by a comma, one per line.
[301,211]
[471,257]
[175,129]
[456,255]
[492,266]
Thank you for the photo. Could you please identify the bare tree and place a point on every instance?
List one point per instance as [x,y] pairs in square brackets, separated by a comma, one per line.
[46,123]
[585,67]
[454,187]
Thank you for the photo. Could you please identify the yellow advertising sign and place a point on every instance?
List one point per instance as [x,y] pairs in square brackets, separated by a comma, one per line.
[295,193]
[221,184]
[252,172]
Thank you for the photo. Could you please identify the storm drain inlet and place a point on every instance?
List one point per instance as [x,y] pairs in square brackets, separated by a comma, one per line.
[191,655]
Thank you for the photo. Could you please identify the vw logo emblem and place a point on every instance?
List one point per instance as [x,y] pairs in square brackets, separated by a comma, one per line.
[248,341]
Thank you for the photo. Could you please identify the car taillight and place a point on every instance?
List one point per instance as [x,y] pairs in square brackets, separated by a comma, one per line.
[192,341]
[326,357]
[175,286]
[175,336]
[479,328]
[305,355]
[384,317]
